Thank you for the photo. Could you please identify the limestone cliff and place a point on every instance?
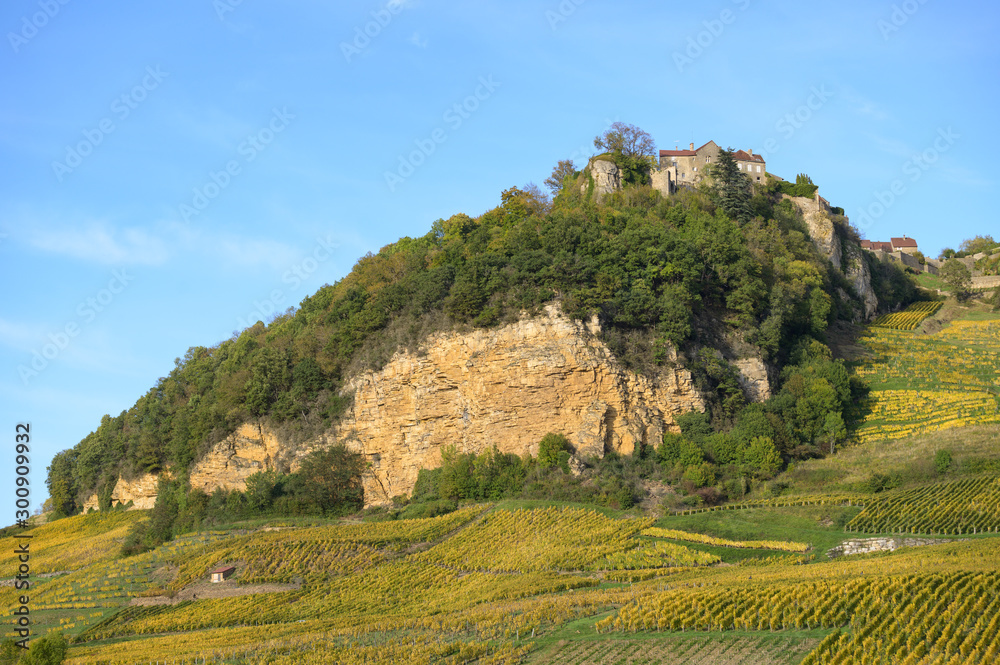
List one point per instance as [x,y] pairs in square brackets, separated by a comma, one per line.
[506,388]
[141,491]
[848,259]
[251,448]
[605,175]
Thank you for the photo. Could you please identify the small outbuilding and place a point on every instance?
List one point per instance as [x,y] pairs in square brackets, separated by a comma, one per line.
[222,574]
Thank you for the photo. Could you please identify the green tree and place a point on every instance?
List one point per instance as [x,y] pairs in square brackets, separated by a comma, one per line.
[549,448]
[559,174]
[262,488]
[632,150]
[62,484]
[958,277]
[762,457]
[732,188]
[331,479]
[48,650]
[977,244]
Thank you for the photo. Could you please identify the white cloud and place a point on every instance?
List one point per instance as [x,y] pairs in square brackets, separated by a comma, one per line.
[99,242]
[417,41]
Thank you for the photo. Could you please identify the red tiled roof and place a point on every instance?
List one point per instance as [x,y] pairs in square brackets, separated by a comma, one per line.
[884,246]
[865,244]
[224,569]
[903,242]
[743,156]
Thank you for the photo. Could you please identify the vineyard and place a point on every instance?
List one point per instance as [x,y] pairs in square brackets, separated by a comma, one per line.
[926,383]
[492,585]
[489,584]
[909,318]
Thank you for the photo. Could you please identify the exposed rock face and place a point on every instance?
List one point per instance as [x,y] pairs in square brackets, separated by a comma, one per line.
[606,176]
[818,218]
[848,259]
[506,388]
[753,378]
[140,491]
[251,448]
[860,276]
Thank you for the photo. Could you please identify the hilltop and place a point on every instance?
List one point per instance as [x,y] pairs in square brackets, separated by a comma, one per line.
[613,321]
[843,508]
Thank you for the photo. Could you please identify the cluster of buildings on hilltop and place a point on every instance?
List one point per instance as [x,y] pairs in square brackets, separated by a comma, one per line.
[688,166]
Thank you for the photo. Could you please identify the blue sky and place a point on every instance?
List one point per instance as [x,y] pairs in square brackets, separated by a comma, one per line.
[172,172]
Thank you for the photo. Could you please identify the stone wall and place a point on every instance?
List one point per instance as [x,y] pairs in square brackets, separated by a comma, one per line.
[887,544]
[988,282]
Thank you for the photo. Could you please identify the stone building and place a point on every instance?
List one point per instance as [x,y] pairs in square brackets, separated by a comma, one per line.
[688,166]
[904,244]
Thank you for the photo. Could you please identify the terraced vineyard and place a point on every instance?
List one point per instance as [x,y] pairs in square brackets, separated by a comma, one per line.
[490,585]
[963,507]
[927,383]
[909,318]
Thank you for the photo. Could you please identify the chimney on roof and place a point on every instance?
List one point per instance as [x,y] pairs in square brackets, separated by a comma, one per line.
[692,146]
[750,152]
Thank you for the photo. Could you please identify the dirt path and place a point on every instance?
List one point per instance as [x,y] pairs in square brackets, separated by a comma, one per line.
[207,590]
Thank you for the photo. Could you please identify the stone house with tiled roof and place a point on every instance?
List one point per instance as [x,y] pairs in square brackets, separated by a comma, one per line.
[688,166]
[904,244]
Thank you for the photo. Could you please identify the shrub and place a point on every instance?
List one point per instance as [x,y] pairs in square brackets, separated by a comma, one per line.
[550,447]
[942,461]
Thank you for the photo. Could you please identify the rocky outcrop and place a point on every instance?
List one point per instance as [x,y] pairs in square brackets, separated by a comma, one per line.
[606,178]
[506,388]
[818,217]
[847,258]
[753,377]
[251,448]
[858,274]
[141,492]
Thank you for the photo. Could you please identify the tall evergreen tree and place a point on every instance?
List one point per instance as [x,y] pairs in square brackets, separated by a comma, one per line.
[732,187]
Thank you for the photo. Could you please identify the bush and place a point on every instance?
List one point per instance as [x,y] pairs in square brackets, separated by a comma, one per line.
[879,482]
[942,461]
[48,650]
[550,447]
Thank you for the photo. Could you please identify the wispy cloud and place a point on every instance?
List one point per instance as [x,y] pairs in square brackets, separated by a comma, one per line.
[418,41]
[99,242]
[102,242]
